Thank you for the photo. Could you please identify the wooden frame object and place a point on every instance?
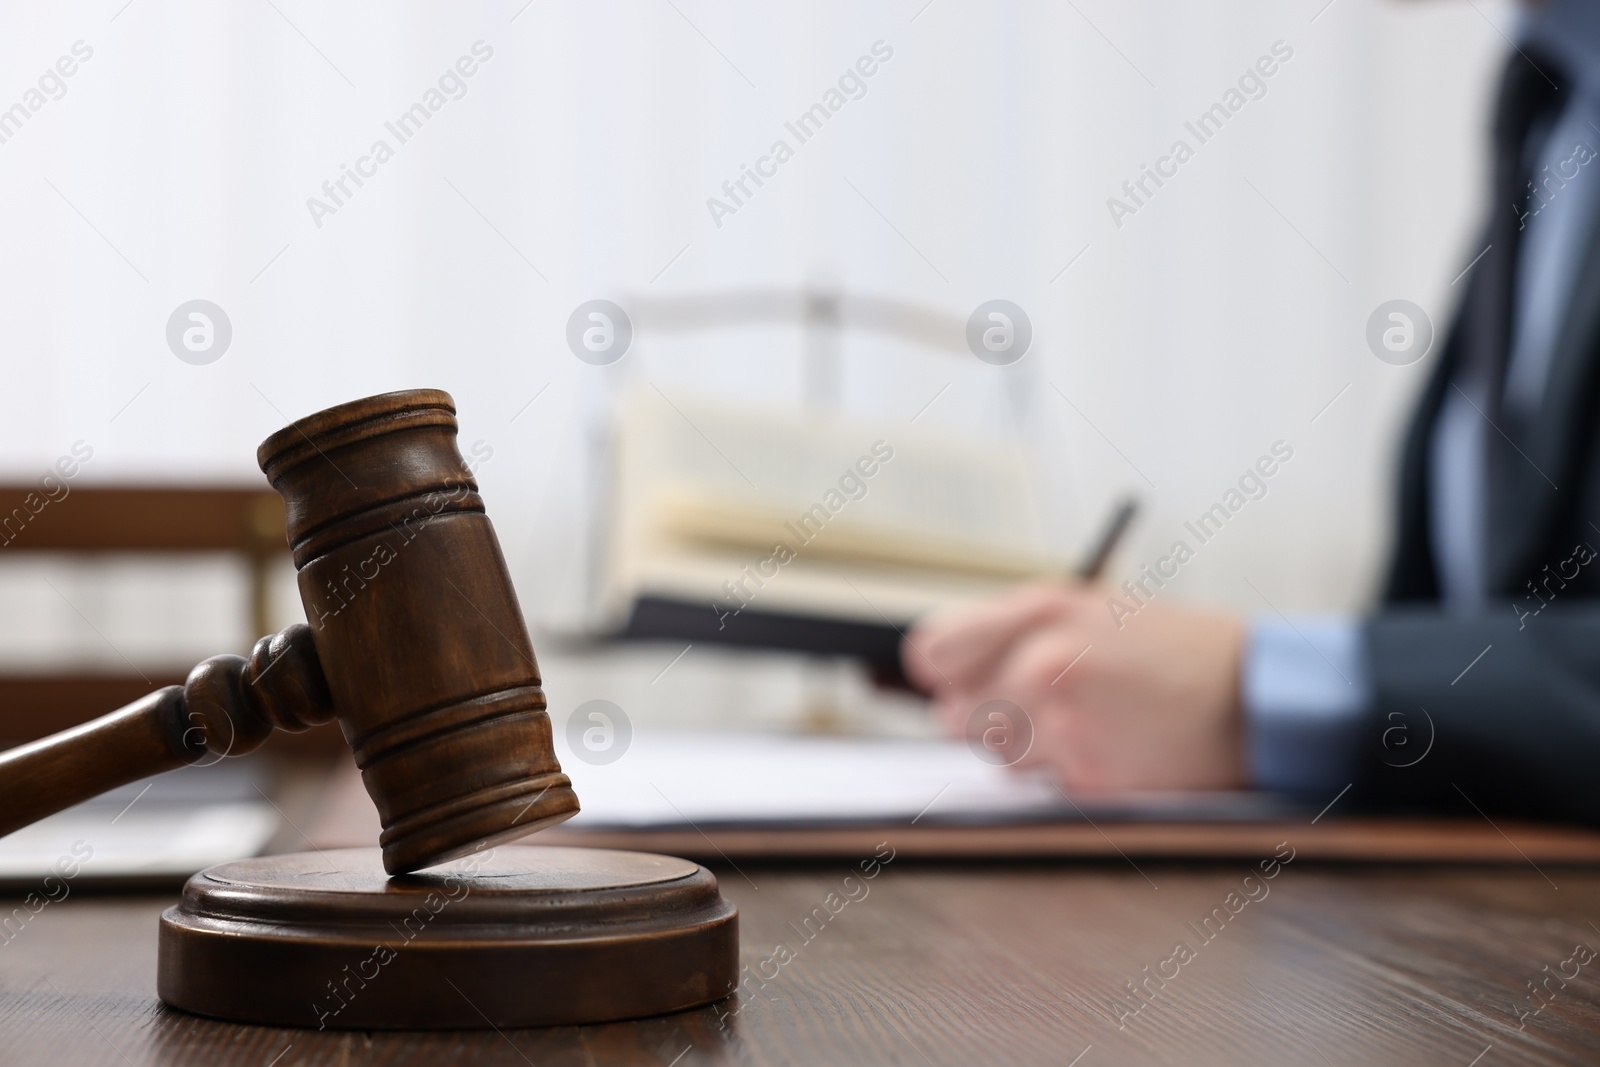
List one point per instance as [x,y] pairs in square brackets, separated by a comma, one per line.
[104,519]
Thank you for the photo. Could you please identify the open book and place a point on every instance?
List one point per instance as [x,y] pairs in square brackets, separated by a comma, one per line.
[772,530]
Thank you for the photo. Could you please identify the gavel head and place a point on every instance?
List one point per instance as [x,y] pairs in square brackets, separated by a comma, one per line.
[417,627]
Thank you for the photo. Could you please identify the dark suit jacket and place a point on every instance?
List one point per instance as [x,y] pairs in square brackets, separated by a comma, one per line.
[1519,732]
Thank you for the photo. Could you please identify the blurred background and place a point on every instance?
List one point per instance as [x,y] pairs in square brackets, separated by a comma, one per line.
[789,328]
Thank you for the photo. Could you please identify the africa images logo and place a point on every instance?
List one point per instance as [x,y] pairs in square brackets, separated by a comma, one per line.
[1399,332]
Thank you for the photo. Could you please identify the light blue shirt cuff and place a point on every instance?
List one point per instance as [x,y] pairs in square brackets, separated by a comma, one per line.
[1306,691]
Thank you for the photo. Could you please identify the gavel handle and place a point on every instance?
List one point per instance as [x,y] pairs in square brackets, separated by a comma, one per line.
[56,772]
[227,707]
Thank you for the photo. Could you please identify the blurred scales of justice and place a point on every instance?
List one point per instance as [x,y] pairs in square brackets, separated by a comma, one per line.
[714,523]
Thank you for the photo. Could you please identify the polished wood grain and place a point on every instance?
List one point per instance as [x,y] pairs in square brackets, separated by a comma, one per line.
[952,964]
[525,935]
[417,626]
[1471,840]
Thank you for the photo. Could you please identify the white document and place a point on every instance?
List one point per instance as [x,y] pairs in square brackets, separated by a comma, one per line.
[159,841]
[731,779]
[167,827]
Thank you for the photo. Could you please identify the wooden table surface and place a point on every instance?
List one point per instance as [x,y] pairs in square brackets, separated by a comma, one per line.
[967,964]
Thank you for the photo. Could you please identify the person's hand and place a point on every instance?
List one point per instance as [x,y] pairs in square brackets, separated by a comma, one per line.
[1152,705]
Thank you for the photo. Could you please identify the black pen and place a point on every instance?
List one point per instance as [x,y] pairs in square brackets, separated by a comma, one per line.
[1110,537]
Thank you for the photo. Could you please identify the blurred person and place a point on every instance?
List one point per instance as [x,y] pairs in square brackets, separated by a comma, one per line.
[1476,682]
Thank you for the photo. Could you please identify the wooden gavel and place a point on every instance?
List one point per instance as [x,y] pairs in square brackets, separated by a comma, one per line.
[416,644]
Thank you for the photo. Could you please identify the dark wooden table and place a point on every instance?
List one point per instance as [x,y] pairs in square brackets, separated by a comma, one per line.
[948,964]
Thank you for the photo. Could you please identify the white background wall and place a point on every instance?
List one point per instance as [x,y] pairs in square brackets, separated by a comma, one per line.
[1215,321]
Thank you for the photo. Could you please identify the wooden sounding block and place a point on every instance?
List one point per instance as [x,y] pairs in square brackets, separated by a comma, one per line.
[518,935]
[418,647]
